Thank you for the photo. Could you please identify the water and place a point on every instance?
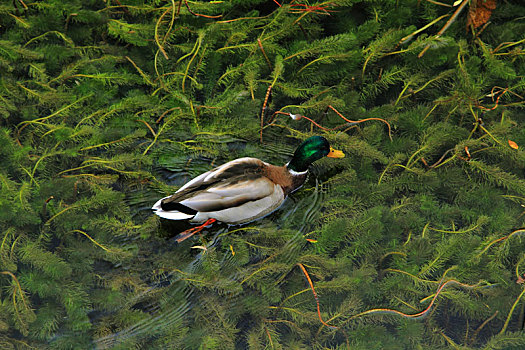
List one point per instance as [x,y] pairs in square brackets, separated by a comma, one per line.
[413,241]
[175,279]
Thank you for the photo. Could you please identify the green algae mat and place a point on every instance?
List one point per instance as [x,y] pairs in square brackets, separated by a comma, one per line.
[415,240]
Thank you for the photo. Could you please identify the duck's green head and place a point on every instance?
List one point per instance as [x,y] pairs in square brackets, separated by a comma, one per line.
[312,149]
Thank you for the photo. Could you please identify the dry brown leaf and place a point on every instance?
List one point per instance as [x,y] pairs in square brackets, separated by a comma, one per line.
[480,12]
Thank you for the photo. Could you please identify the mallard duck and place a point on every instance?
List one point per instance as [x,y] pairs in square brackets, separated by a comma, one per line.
[243,189]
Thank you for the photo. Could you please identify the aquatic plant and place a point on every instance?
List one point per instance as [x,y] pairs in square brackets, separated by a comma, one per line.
[107,106]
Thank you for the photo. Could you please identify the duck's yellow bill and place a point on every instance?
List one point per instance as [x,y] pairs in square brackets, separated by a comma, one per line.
[335,153]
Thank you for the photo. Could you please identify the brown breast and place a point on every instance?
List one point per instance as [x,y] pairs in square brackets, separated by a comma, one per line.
[281,176]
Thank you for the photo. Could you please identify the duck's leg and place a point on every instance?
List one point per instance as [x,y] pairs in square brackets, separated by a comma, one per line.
[188,233]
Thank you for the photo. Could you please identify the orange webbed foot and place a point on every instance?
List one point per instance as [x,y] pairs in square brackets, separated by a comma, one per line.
[188,233]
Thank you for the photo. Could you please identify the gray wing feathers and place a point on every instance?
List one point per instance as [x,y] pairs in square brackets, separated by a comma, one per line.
[222,196]
[248,211]
[215,174]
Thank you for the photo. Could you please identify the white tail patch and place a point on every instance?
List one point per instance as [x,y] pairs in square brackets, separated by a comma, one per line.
[173,215]
[170,215]
[157,206]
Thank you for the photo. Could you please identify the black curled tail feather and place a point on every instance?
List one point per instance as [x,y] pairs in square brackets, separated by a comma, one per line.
[172,206]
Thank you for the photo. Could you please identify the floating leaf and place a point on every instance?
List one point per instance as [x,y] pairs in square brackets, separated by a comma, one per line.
[513,144]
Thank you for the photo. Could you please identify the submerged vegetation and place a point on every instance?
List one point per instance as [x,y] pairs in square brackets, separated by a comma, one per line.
[415,240]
